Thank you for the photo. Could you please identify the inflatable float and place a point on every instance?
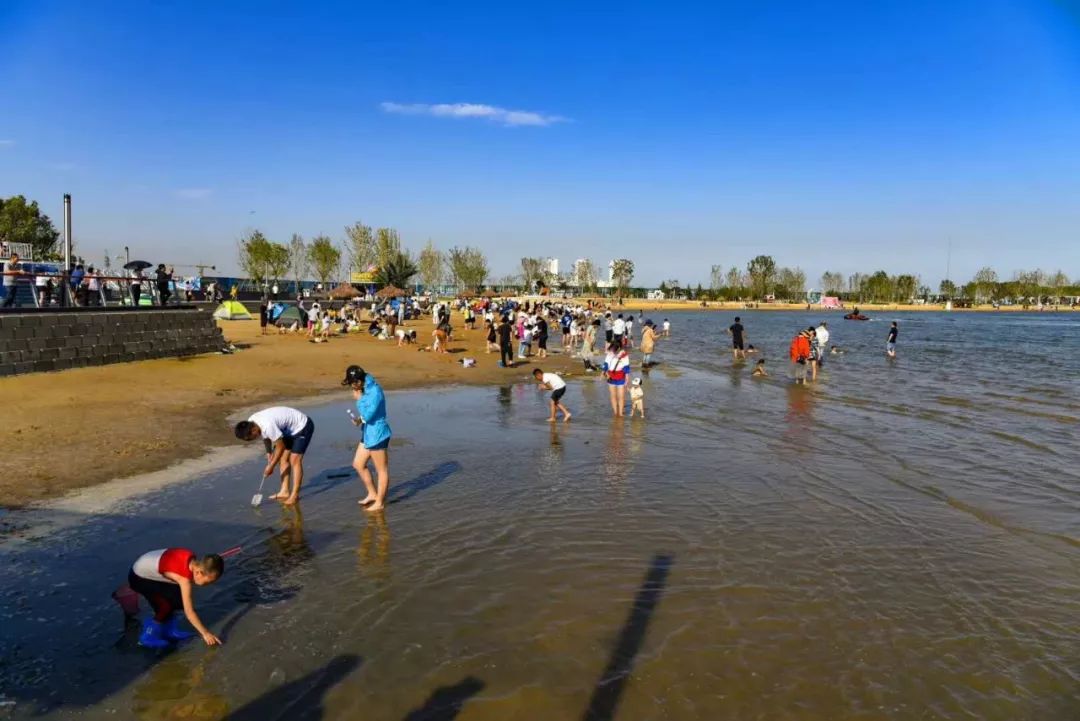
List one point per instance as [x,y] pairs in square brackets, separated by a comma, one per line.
[856,316]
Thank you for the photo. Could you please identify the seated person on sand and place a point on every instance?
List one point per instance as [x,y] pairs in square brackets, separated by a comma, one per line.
[374,328]
[759,370]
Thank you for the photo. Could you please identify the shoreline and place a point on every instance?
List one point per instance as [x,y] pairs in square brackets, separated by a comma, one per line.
[85,427]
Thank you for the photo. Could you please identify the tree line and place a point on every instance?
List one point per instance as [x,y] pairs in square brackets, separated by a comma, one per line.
[377,253]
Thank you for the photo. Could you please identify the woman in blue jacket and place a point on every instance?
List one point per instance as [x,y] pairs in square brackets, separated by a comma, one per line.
[371,414]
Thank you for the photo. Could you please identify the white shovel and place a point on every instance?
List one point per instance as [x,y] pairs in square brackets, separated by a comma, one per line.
[257,498]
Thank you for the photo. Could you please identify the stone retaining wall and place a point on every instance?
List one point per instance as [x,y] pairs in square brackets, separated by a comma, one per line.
[31,342]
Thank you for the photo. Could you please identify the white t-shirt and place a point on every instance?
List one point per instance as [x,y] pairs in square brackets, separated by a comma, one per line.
[619,326]
[278,422]
[553,381]
[822,336]
[667,325]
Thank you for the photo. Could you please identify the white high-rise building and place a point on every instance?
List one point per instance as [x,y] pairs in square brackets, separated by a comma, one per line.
[552,266]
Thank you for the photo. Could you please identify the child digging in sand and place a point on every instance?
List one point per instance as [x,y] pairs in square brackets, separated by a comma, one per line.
[557,386]
[165,578]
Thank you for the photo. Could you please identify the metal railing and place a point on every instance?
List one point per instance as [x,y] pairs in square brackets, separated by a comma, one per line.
[111,291]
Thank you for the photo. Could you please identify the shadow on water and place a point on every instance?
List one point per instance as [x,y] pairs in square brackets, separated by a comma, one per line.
[424,481]
[333,478]
[609,688]
[445,702]
[299,700]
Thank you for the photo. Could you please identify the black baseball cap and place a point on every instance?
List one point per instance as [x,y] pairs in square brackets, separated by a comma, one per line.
[354,374]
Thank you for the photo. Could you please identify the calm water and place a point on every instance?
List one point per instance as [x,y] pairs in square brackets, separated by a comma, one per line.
[901,541]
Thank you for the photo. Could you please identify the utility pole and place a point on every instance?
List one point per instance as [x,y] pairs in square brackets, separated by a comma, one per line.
[67,250]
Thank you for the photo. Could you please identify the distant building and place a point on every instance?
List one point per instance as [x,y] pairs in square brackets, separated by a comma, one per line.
[552,266]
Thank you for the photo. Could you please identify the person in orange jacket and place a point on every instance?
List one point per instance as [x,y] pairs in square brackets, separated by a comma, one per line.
[800,353]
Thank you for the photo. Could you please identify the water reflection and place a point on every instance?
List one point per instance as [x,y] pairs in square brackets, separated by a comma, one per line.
[615,466]
[179,687]
[373,552]
[300,700]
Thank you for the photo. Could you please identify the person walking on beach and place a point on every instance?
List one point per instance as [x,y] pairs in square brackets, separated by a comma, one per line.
[557,386]
[608,329]
[286,433]
[541,336]
[616,371]
[737,333]
[375,446]
[815,353]
[506,349]
[618,330]
[648,343]
[667,328]
[890,344]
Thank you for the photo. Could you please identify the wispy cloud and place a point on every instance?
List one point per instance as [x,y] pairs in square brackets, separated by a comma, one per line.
[6,143]
[490,113]
[193,193]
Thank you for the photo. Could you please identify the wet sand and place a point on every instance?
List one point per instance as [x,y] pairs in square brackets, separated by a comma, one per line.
[86,426]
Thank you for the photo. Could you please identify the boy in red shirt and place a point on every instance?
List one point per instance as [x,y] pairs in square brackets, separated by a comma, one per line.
[165,578]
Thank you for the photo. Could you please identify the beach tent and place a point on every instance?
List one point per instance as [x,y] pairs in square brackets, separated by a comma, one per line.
[289,316]
[232,310]
[830,301]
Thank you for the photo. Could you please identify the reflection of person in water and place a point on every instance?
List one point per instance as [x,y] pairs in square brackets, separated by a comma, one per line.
[288,545]
[174,688]
[373,553]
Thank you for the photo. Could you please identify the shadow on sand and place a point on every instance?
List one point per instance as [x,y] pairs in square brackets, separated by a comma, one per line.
[609,688]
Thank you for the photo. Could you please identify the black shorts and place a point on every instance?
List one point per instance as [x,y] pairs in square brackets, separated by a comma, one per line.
[556,396]
[163,597]
[295,444]
[737,344]
[609,334]
[542,342]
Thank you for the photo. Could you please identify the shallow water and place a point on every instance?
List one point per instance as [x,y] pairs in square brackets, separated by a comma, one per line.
[898,542]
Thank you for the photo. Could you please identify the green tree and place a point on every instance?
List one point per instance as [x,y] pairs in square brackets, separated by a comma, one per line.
[762,270]
[984,282]
[699,292]
[431,266]
[387,245]
[468,267]
[298,259]
[947,289]
[277,261]
[533,270]
[325,258]
[791,284]
[716,278]
[360,247]
[622,272]
[397,270]
[733,281]
[878,287]
[906,286]
[832,283]
[253,254]
[22,222]
[585,274]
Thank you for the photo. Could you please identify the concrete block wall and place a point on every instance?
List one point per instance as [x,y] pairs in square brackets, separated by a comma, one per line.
[34,342]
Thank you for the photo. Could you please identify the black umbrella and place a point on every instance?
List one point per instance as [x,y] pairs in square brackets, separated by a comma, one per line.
[137,265]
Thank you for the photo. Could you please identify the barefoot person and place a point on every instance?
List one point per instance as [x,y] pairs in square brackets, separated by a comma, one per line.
[165,579]
[286,432]
[371,414]
[616,370]
[890,344]
[554,383]
[736,331]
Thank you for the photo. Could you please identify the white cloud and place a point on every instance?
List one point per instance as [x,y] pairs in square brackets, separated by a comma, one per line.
[502,116]
[6,143]
[193,193]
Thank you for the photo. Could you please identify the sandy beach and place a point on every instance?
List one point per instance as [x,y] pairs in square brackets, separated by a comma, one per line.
[86,426]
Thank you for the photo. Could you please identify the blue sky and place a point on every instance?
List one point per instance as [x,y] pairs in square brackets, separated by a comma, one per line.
[834,136]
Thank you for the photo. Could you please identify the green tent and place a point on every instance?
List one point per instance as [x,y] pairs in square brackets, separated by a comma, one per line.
[232,310]
[289,316]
